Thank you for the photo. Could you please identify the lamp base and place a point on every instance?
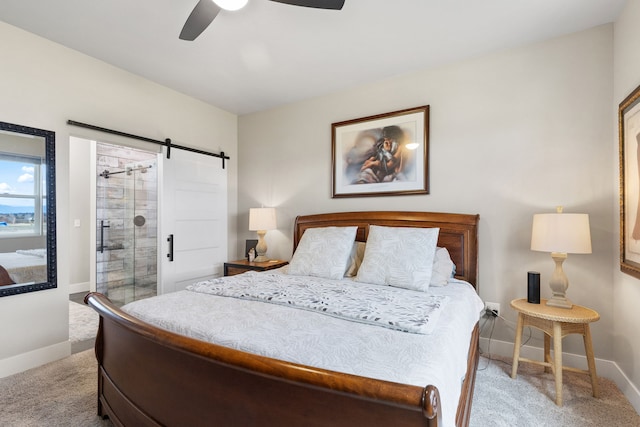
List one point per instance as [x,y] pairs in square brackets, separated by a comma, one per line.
[559,283]
[261,248]
[559,301]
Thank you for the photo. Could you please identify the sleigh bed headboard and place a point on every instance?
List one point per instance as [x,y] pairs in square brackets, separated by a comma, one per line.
[458,232]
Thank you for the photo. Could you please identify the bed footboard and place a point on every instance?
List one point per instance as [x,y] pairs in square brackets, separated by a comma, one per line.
[151,377]
[5,279]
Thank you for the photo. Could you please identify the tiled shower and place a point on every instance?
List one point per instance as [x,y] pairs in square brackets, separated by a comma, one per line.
[127,223]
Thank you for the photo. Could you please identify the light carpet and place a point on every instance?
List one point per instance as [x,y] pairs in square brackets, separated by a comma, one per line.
[83,322]
[63,393]
[529,400]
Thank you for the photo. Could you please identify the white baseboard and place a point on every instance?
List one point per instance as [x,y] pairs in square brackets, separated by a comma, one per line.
[605,368]
[32,359]
[78,287]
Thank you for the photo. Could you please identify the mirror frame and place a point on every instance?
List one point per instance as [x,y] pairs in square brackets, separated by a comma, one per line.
[50,161]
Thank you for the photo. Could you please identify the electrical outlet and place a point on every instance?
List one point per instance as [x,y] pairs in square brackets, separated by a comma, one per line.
[493,306]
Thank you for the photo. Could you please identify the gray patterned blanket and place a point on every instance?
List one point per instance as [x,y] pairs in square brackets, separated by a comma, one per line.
[385,306]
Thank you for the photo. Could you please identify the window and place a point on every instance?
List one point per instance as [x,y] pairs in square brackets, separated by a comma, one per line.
[22,196]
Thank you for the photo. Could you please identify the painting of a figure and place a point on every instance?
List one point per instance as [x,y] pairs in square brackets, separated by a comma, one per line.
[629,130]
[381,155]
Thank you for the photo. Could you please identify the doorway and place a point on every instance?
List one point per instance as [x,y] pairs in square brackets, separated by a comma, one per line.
[179,204]
[126,223]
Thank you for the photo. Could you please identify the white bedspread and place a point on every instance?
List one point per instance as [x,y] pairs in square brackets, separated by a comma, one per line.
[314,339]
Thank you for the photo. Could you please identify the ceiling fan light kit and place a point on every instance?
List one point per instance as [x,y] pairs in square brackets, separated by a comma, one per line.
[231,4]
[206,10]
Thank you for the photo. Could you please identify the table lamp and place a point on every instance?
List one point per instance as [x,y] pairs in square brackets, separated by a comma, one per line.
[561,234]
[261,220]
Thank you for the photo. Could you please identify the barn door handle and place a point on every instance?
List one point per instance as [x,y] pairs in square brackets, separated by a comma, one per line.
[170,240]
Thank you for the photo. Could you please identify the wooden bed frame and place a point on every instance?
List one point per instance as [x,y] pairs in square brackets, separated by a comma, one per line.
[151,377]
[5,279]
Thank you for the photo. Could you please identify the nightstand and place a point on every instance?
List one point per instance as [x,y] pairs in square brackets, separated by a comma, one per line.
[555,323]
[232,268]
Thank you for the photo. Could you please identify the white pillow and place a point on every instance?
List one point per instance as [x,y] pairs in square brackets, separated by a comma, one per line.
[442,268]
[323,252]
[399,256]
[355,259]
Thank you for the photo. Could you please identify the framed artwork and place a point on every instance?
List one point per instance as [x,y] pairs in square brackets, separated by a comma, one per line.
[629,147]
[382,155]
[250,244]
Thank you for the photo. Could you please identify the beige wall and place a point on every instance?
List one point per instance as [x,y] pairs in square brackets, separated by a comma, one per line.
[79,209]
[512,134]
[43,85]
[626,289]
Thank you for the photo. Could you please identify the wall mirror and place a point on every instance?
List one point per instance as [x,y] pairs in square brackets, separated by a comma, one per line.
[27,210]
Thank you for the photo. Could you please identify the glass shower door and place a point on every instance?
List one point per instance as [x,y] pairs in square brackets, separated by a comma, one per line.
[114,260]
[126,226]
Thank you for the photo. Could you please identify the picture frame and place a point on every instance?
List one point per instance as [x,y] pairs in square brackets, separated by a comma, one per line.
[381,155]
[629,150]
[250,244]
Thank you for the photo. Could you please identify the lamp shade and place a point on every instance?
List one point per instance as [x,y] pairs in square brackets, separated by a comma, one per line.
[561,232]
[262,219]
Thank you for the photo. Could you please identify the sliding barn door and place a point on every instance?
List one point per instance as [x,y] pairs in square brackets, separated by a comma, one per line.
[194,219]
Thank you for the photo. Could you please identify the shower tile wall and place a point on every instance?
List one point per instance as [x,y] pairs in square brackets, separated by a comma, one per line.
[127,267]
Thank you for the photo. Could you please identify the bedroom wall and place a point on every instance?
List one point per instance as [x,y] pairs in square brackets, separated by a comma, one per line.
[43,85]
[512,134]
[626,289]
[79,209]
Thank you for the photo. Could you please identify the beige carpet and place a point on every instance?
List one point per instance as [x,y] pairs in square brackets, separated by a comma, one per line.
[529,400]
[83,322]
[63,393]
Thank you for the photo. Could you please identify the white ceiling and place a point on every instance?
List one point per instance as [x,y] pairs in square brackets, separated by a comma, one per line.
[269,54]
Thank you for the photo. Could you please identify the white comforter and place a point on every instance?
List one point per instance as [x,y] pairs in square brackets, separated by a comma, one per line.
[315,339]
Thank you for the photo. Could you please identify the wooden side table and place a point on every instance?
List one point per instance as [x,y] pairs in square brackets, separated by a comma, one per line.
[555,323]
[232,268]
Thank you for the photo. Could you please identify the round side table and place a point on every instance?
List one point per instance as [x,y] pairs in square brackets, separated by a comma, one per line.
[555,322]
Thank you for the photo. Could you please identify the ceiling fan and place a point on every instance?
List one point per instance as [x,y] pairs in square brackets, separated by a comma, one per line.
[206,10]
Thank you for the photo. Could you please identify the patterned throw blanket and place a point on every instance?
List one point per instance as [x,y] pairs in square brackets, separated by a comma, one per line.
[393,308]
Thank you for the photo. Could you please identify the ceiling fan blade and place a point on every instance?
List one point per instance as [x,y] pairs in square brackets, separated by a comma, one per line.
[201,16]
[319,4]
